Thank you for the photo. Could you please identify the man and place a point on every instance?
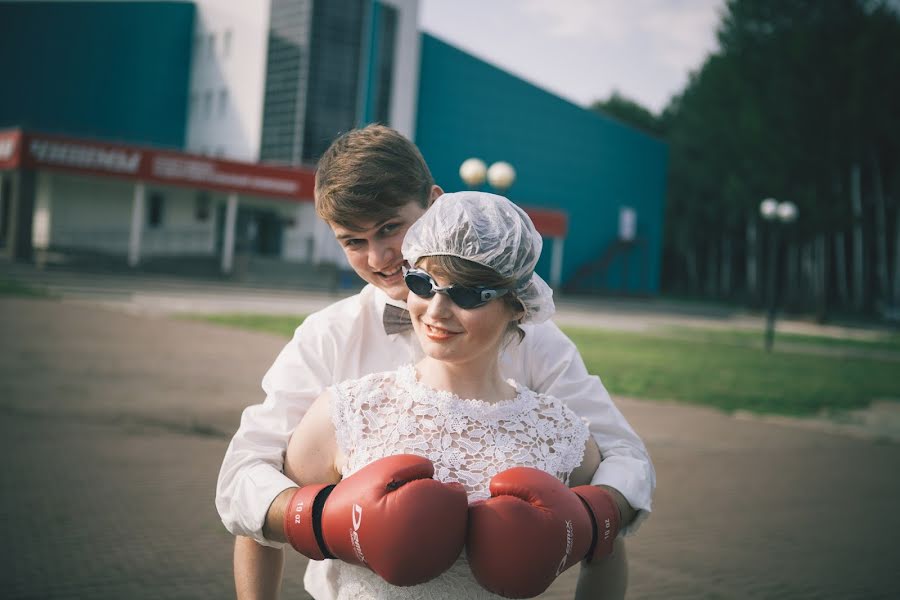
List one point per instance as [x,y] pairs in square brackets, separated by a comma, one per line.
[371,186]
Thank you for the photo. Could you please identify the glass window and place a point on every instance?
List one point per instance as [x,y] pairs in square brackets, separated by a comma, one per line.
[331,100]
[223,101]
[226,43]
[384,69]
[287,59]
[202,207]
[155,207]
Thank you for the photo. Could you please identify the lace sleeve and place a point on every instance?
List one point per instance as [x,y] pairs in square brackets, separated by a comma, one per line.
[572,435]
[352,402]
[341,415]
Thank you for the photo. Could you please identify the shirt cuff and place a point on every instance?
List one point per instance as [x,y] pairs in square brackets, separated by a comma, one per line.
[265,485]
[619,473]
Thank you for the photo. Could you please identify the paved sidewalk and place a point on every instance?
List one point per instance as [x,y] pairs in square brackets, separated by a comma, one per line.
[158,294]
[114,426]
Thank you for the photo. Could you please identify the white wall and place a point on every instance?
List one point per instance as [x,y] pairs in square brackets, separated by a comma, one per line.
[90,213]
[407,57]
[311,239]
[229,55]
[41,222]
[298,244]
[93,213]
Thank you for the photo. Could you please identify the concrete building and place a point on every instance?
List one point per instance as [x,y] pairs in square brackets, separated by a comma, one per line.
[220,90]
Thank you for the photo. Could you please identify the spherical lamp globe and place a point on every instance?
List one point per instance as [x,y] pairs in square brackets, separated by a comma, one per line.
[787,212]
[473,171]
[501,175]
[768,208]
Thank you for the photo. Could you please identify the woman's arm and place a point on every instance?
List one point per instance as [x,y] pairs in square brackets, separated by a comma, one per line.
[312,451]
[311,457]
[584,472]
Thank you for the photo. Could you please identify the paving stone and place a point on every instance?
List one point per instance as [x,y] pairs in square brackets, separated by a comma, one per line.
[113,427]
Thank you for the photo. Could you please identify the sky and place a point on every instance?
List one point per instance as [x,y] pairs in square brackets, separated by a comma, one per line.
[583,50]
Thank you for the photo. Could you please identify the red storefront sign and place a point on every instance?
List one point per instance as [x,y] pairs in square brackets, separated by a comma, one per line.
[36,150]
[549,223]
[10,141]
[32,150]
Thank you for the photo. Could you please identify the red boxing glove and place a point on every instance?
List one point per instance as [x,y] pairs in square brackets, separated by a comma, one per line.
[533,528]
[389,516]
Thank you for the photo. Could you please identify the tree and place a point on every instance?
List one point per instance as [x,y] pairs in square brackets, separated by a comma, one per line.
[800,96]
[629,112]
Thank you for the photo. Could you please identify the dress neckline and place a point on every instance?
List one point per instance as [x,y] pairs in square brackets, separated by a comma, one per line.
[410,377]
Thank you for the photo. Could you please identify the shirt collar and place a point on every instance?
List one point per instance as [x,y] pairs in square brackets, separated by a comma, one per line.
[381,298]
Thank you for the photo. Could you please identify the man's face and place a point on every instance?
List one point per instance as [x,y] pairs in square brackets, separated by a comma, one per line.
[374,249]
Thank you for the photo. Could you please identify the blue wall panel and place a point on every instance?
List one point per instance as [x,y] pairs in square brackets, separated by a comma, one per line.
[565,157]
[110,70]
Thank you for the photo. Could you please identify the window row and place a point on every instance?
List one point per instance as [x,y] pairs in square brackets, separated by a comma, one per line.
[202,103]
[205,44]
[156,208]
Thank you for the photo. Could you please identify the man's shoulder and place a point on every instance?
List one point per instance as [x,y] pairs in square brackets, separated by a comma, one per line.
[346,310]
[541,334]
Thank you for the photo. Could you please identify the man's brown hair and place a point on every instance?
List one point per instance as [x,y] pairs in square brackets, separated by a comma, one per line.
[367,174]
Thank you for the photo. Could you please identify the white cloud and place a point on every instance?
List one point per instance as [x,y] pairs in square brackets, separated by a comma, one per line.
[577,18]
[585,49]
[683,35]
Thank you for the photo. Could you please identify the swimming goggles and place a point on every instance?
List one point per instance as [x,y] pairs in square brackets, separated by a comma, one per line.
[422,285]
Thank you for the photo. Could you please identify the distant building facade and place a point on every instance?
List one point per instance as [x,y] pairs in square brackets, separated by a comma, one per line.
[227,88]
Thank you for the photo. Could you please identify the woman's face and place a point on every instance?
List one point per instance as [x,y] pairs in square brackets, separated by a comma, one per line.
[452,334]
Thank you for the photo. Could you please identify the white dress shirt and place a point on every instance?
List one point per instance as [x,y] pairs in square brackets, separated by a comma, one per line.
[346,341]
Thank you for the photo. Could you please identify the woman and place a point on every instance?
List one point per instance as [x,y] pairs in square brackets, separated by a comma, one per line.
[472,285]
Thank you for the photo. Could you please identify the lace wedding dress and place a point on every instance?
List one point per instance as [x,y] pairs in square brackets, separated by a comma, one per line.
[469,441]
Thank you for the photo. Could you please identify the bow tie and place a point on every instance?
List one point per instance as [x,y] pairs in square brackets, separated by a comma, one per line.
[396,319]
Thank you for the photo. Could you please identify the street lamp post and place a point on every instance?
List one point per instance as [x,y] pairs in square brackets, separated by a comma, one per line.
[778,214]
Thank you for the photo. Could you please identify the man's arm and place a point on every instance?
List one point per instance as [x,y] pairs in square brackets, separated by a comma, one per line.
[309,458]
[626,511]
[257,570]
[252,477]
[584,475]
[555,367]
[273,528]
[604,579]
[252,491]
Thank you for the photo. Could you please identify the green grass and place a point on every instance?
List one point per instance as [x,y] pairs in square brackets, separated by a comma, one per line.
[881,341]
[278,324]
[719,368]
[733,377]
[16,288]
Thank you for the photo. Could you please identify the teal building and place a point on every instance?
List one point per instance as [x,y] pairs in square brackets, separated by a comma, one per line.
[114,71]
[566,158]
